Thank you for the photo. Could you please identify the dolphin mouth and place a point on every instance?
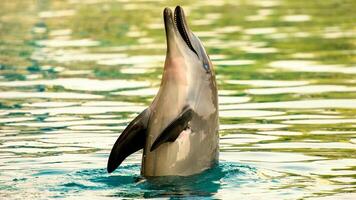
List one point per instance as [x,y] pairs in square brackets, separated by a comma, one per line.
[182,26]
[178,24]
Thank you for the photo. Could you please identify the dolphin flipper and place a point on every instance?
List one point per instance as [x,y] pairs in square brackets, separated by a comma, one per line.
[131,140]
[172,131]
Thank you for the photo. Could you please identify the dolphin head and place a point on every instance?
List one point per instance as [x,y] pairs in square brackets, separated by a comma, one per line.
[184,49]
[188,75]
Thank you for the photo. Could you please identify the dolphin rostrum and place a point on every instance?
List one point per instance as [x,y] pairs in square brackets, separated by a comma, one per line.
[179,130]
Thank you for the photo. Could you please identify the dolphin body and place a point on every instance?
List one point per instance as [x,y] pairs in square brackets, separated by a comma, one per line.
[179,130]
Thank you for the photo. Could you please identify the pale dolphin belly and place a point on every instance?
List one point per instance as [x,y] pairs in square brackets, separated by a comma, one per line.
[195,150]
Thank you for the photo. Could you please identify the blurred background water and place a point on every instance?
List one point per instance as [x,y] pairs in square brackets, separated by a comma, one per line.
[74,73]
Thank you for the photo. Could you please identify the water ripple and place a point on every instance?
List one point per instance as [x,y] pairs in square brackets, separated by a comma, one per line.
[74,73]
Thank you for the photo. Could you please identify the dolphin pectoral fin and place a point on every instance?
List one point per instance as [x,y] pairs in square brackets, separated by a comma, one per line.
[172,131]
[131,140]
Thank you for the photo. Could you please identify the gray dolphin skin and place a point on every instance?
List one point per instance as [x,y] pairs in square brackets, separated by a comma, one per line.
[178,132]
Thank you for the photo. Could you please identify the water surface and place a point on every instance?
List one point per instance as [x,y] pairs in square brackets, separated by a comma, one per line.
[74,73]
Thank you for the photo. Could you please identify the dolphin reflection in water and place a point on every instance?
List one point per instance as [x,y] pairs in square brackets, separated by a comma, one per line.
[178,132]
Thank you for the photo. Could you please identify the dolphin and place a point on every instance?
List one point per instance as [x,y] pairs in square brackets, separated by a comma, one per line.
[178,132]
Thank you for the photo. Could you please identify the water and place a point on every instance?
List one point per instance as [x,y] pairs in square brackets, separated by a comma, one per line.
[74,73]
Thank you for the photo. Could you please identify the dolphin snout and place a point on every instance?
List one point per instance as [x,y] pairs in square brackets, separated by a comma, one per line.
[167,11]
[168,19]
[171,34]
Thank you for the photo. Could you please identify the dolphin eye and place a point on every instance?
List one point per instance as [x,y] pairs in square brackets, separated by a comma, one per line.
[206,67]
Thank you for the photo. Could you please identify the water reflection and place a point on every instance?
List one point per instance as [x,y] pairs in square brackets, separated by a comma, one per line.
[57,13]
[80,84]
[131,185]
[311,66]
[67,43]
[302,104]
[302,89]
[74,73]
[48,95]
[267,83]
[296,18]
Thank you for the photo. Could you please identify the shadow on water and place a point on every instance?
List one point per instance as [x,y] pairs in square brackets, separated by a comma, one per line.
[126,182]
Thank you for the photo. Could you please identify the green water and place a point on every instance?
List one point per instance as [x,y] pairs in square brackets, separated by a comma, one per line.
[74,73]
